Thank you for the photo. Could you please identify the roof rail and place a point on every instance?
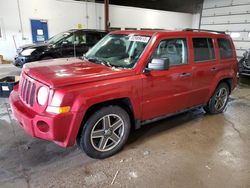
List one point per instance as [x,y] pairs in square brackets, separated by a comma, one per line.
[190,29]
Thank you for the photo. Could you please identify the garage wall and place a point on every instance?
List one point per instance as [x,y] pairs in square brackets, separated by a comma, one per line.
[67,14]
[123,17]
[232,16]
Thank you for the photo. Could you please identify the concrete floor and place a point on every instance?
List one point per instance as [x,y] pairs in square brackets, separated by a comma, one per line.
[189,150]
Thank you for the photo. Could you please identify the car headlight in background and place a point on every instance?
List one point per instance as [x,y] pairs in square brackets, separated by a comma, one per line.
[42,95]
[27,52]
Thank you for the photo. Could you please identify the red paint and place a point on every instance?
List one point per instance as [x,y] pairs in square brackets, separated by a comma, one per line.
[81,84]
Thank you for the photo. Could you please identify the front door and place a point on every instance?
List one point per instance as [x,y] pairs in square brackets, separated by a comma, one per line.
[39,30]
[168,91]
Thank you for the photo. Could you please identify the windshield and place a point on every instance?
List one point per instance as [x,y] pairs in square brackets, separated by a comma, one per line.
[118,50]
[59,37]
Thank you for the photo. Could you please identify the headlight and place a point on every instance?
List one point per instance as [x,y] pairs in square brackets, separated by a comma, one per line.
[27,52]
[42,95]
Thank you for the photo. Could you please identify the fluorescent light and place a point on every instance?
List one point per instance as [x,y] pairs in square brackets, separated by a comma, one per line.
[235,35]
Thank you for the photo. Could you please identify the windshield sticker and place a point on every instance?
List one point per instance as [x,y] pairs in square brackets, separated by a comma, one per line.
[139,39]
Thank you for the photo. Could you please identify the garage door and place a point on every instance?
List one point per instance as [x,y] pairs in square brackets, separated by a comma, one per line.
[232,16]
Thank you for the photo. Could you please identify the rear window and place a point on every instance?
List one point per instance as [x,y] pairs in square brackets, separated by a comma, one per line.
[203,49]
[226,50]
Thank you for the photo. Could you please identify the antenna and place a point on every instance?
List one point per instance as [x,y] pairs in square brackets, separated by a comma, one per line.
[74,37]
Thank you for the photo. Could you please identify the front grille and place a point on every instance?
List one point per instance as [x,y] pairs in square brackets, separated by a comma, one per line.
[27,91]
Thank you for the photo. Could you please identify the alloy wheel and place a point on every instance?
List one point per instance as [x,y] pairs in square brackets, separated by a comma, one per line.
[107,132]
[221,98]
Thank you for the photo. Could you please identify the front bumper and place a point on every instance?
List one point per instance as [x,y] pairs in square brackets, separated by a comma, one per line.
[61,128]
[19,61]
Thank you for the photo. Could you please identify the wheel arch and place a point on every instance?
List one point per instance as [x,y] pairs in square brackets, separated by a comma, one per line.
[125,103]
[227,80]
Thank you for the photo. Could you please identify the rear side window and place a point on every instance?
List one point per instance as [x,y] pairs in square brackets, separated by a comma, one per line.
[226,50]
[203,49]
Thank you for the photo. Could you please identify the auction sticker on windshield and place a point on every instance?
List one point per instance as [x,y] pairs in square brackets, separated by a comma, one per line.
[139,39]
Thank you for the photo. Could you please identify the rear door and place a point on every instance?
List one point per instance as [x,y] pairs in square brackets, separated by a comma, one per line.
[205,67]
[226,54]
[168,91]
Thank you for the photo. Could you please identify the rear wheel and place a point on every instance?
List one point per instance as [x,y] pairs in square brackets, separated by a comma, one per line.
[219,100]
[105,132]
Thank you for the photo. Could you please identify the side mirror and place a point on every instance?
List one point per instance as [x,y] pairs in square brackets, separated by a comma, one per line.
[158,64]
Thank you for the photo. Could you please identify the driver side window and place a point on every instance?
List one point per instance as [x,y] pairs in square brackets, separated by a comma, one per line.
[173,49]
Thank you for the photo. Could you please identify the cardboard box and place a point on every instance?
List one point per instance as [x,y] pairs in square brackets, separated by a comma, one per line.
[5,62]
[1,59]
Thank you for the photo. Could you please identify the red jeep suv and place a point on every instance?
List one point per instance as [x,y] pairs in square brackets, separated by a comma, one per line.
[127,79]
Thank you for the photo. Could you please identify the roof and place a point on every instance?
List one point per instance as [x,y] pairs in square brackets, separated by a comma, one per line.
[88,30]
[153,32]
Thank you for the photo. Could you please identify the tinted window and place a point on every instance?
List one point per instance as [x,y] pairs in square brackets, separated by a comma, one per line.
[93,38]
[225,48]
[203,49]
[173,49]
[80,38]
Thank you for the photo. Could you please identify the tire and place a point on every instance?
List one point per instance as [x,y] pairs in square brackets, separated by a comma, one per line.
[219,100]
[99,138]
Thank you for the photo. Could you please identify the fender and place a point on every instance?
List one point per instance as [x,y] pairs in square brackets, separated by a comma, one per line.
[106,91]
[221,75]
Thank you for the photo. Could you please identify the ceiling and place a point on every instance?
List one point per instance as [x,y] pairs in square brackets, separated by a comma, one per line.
[187,6]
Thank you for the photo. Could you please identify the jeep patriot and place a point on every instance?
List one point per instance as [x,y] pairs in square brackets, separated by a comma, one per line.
[127,79]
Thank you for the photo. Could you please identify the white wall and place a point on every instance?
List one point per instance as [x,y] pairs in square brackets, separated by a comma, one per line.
[66,14]
[230,16]
[123,17]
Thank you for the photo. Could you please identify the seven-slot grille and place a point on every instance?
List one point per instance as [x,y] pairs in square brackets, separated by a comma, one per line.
[27,90]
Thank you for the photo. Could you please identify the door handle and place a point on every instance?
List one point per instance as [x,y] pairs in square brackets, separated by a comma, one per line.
[213,69]
[185,74]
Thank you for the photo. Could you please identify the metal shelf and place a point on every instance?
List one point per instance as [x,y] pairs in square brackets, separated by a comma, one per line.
[242,41]
[240,49]
[227,23]
[242,31]
[226,6]
[229,14]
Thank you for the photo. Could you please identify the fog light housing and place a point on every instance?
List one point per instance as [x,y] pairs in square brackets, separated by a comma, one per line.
[42,126]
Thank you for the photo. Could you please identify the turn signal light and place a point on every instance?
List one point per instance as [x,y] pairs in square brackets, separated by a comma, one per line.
[58,110]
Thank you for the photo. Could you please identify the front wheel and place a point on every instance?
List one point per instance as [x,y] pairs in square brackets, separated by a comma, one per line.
[105,132]
[219,100]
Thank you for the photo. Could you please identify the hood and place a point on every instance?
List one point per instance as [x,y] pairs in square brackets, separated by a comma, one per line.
[69,71]
[36,46]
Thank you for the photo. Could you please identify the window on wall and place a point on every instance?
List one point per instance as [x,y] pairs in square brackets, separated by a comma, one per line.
[203,49]
[114,28]
[173,49]
[225,48]
[130,28]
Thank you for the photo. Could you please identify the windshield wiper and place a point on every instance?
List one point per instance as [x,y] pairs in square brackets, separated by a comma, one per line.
[100,61]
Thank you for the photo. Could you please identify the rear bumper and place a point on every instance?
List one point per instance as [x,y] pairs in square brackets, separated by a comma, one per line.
[61,129]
